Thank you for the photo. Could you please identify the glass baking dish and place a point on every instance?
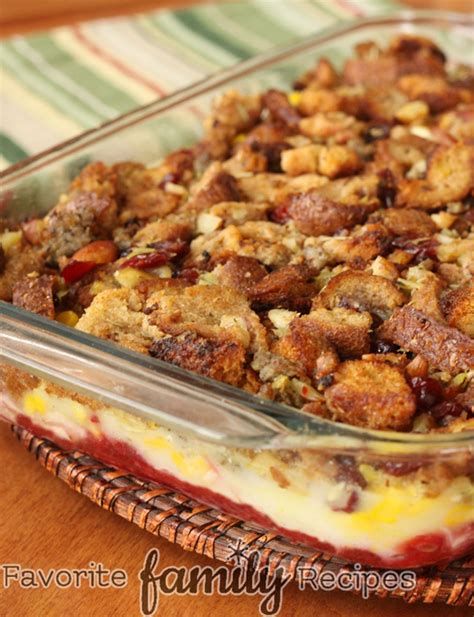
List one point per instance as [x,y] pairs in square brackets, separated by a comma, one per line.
[380,498]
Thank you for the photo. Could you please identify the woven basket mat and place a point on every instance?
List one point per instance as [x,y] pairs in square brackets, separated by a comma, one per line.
[207,531]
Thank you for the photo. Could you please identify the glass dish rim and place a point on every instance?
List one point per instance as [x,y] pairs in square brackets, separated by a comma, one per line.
[34,163]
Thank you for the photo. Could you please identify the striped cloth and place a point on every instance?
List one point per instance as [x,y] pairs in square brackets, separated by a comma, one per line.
[57,83]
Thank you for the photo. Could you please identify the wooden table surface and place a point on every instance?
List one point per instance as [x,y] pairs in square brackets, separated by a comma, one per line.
[43,524]
[18,16]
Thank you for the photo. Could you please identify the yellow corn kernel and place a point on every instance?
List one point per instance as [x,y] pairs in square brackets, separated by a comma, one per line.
[239,138]
[199,466]
[179,461]
[9,239]
[68,318]
[294,98]
[34,403]
[157,442]
[459,514]
[80,413]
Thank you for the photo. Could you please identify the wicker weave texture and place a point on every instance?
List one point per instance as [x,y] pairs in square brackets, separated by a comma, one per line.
[207,531]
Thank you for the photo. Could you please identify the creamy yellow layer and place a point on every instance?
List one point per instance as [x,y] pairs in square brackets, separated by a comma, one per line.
[388,513]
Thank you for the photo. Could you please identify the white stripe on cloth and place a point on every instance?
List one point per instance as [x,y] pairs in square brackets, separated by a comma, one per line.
[22,46]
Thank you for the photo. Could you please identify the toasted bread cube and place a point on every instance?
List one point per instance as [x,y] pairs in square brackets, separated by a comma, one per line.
[18,262]
[240,273]
[219,359]
[215,187]
[427,297]
[371,394]
[435,92]
[459,308]
[337,161]
[232,113]
[414,111]
[314,214]
[383,267]
[450,177]
[455,250]
[35,293]
[302,160]
[210,311]
[87,212]
[406,223]
[333,161]
[306,346]
[290,287]
[237,212]
[444,347]
[160,231]
[330,124]
[361,291]
[117,315]
[272,244]
[347,329]
[314,100]
[280,108]
[365,244]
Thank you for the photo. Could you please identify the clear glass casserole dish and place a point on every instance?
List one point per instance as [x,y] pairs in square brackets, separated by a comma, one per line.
[381,498]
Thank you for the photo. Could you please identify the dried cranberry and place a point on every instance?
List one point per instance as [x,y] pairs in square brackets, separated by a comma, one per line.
[143,261]
[443,411]
[451,392]
[428,391]
[420,250]
[165,251]
[75,270]
[348,503]
[280,215]
[348,471]
[398,468]
[426,250]
[190,275]
[404,243]
[277,104]
[169,177]
[174,248]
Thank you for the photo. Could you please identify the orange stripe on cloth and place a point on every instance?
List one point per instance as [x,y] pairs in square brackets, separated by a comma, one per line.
[95,49]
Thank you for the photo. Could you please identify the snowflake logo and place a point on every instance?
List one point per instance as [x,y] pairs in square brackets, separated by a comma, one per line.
[241,555]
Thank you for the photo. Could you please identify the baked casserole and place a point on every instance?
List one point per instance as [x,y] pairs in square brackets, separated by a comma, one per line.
[316,249]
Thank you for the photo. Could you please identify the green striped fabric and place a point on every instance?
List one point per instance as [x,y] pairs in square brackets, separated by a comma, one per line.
[60,82]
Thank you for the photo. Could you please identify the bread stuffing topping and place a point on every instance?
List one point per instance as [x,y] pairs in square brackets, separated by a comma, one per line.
[315,248]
